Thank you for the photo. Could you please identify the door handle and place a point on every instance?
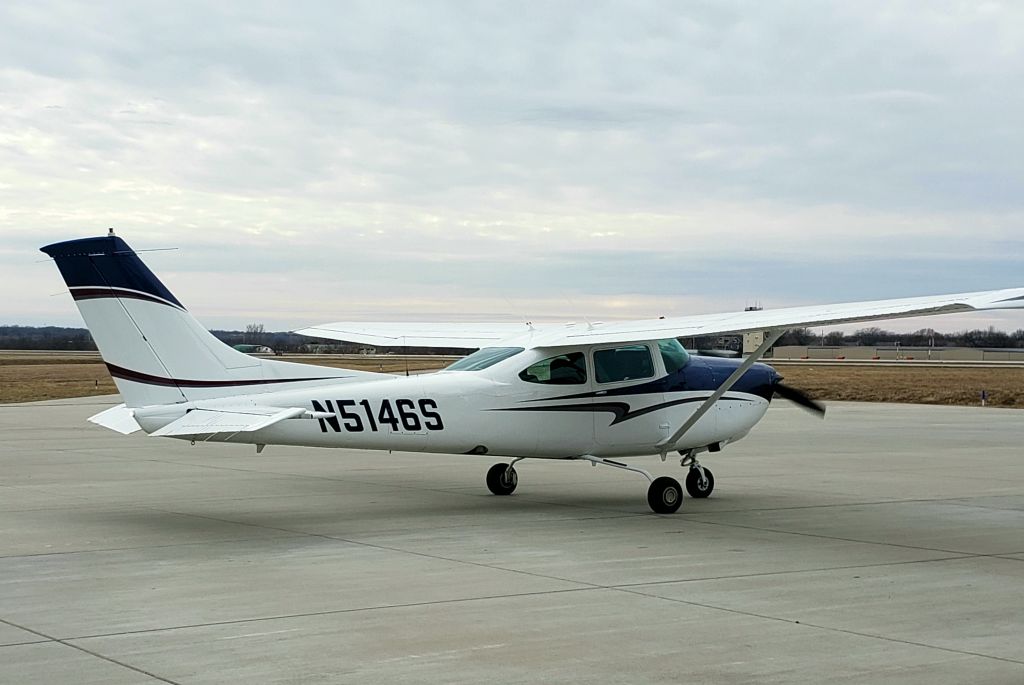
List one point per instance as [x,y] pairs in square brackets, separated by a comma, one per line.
[601,392]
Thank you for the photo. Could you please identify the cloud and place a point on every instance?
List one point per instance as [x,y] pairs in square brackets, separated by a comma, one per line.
[326,161]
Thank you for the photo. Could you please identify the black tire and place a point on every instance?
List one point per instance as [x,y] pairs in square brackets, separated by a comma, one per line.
[502,479]
[693,484]
[665,495]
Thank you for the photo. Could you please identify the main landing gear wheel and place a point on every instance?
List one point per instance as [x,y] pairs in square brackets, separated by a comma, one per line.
[665,495]
[502,479]
[700,484]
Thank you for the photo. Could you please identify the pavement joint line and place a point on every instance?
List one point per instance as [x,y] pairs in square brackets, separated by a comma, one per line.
[398,550]
[614,513]
[990,508]
[624,587]
[957,556]
[834,629]
[588,587]
[620,512]
[26,642]
[842,539]
[173,545]
[787,572]
[90,652]
[333,612]
[801,507]
[718,523]
[457,491]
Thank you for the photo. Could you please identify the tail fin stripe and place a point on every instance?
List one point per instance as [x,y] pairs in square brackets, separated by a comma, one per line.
[92,293]
[149,379]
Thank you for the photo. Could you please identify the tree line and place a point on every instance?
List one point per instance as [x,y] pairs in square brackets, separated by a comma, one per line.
[78,339]
[72,339]
[924,337]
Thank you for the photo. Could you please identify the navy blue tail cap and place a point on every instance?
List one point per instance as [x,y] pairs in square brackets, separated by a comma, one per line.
[107,267]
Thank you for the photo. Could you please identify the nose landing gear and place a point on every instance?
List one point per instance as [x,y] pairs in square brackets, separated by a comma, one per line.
[502,479]
[700,482]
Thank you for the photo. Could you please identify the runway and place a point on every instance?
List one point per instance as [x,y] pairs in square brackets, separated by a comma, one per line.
[883,544]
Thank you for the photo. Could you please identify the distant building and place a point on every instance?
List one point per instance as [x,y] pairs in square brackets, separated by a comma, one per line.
[254,349]
[752,340]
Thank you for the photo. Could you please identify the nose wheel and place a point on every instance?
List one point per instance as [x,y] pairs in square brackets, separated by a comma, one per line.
[700,481]
[502,479]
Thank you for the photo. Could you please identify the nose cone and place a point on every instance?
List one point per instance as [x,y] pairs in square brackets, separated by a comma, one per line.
[773,375]
[760,380]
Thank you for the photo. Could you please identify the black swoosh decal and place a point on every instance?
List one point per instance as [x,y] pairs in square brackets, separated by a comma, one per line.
[621,410]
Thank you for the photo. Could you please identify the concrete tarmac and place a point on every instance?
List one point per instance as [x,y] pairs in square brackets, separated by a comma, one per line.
[884,544]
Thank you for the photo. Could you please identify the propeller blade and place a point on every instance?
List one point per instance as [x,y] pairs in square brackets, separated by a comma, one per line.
[801,398]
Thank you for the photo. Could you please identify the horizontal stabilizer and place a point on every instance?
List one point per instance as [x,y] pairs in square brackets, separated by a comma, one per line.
[119,418]
[227,420]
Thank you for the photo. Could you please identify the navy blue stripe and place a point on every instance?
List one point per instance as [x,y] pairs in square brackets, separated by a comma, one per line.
[105,262]
[148,379]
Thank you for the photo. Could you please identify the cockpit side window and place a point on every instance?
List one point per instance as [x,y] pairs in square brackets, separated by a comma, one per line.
[626,363]
[565,369]
[673,354]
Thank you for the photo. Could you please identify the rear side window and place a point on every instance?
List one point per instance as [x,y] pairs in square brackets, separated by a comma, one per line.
[484,357]
[623,364]
[565,369]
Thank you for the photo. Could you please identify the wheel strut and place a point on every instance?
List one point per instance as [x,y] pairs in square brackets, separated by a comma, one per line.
[664,495]
[594,461]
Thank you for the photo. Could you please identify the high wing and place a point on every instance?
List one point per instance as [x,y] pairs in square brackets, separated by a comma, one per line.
[227,420]
[466,335]
[551,335]
[797,317]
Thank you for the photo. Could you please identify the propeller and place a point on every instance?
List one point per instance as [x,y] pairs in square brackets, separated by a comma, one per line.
[800,398]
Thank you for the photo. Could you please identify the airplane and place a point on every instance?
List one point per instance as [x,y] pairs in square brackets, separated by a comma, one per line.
[590,392]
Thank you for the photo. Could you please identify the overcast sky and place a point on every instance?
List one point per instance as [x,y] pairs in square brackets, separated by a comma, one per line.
[476,160]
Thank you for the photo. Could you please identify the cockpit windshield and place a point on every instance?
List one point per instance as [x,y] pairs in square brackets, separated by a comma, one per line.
[484,357]
[673,354]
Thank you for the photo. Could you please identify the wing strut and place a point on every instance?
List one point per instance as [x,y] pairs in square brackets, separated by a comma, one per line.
[769,340]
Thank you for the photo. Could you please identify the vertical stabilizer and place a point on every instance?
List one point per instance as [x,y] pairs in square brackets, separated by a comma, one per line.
[156,351]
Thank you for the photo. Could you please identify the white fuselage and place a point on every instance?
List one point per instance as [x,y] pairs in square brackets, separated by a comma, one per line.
[494,412]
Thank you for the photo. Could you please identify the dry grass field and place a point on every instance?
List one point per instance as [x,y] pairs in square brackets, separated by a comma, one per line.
[26,377]
[29,377]
[917,384]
